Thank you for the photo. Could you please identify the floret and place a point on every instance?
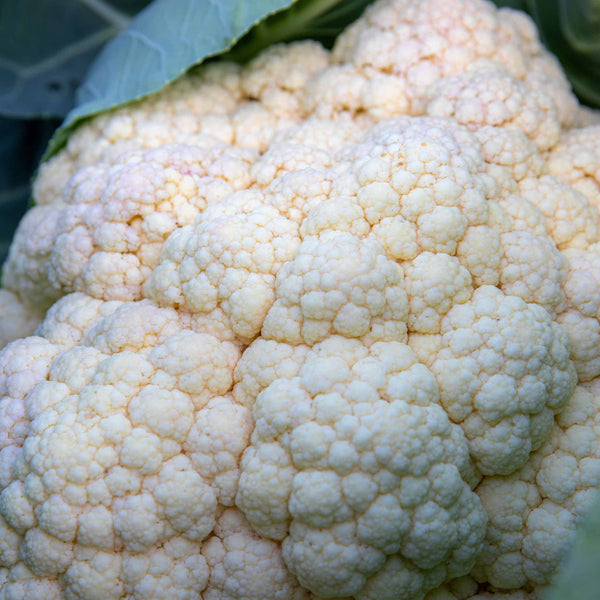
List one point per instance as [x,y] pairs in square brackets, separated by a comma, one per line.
[581,320]
[338,284]
[104,238]
[355,492]
[228,261]
[116,437]
[534,512]
[503,368]
[400,48]
[576,161]
[490,96]
[571,220]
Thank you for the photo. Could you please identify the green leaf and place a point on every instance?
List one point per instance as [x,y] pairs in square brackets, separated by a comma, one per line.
[160,44]
[578,578]
[46,47]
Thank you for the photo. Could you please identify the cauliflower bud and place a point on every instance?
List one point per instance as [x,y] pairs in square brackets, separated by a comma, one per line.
[120,455]
[288,330]
[534,512]
[357,468]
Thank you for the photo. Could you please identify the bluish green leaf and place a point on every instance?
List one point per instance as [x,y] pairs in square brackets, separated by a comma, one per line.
[46,47]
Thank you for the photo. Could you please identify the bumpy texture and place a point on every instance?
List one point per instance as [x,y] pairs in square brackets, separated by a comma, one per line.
[490,96]
[326,325]
[357,468]
[533,513]
[503,369]
[576,160]
[106,233]
[119,454]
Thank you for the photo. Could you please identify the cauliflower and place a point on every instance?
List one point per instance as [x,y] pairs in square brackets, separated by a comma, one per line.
[326,325]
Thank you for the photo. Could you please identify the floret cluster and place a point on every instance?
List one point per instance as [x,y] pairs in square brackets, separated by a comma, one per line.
[326,325]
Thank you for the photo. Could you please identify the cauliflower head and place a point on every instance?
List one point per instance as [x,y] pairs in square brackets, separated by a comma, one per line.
[325,325]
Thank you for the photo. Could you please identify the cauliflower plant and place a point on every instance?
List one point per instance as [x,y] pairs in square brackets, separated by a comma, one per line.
[326,325]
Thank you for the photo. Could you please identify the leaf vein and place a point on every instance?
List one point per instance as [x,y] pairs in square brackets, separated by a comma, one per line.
[107,12]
